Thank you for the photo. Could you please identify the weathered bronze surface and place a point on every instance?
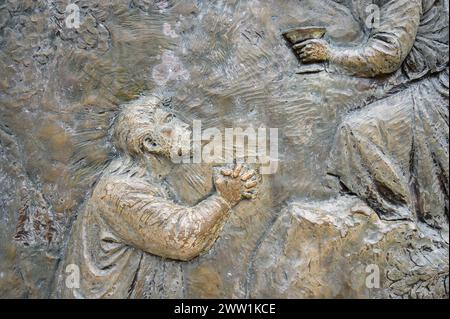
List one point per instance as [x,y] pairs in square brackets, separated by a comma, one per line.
[95,201]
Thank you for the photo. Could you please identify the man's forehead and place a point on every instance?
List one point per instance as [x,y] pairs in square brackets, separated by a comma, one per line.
[160,113]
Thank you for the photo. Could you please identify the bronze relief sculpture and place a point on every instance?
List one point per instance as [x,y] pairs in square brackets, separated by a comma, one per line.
[95,201]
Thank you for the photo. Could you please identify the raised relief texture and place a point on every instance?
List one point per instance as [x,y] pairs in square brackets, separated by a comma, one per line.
[224,149]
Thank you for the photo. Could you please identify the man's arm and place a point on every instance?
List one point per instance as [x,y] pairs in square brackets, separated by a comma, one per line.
[387,47]
[144,219]
[160,226]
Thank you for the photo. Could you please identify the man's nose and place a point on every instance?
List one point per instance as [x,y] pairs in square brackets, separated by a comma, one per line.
[167,131]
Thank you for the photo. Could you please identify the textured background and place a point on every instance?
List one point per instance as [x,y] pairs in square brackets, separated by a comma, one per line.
[224,62]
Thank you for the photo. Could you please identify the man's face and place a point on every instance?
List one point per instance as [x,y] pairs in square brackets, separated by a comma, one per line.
[170,136]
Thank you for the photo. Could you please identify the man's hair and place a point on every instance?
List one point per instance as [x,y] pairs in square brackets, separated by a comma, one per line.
[133,124]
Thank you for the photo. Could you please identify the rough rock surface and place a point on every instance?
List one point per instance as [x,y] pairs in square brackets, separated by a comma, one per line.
[329,250]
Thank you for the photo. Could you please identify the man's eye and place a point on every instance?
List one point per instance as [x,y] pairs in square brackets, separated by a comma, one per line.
[150,141]
[169,118]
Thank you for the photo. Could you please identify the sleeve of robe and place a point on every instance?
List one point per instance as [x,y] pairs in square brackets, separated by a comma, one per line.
[388,44]
[159,226]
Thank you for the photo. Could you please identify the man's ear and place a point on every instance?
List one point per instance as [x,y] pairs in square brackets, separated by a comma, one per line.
[150,146]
